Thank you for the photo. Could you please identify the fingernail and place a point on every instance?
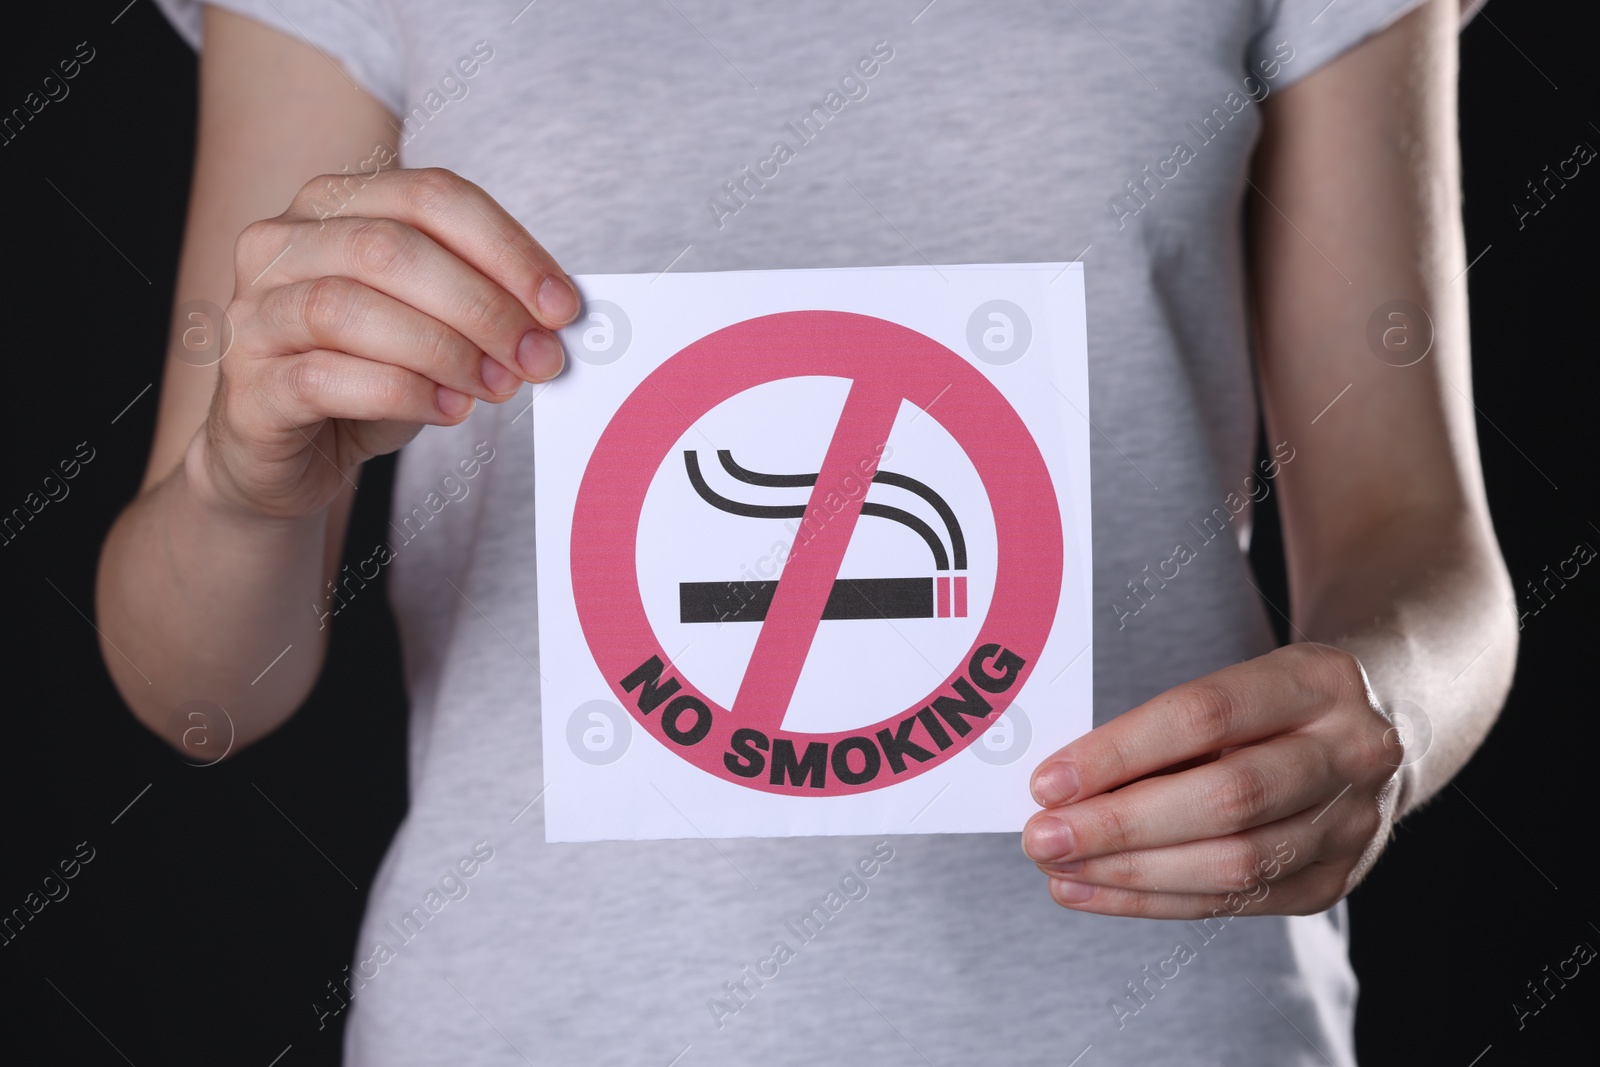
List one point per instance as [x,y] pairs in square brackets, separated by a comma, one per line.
[452,403]
[1055,785]
[1047,839]
[496,378]
[558,301]
[1070,892]
[539,355]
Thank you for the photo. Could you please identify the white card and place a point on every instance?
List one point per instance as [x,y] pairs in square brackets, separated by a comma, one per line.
[813,551]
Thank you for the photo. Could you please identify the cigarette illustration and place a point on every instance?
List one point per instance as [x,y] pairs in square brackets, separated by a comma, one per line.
[940,595]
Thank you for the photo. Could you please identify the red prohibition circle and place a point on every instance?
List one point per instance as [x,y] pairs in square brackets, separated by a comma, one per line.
[886,364]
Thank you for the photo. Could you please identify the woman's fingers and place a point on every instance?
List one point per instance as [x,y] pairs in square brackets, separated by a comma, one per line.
[312,386]
[1277,869]
[1225,863]
[352,331]
[1253,786]
[462,218]
[1233,706]
[406,264]
[1313,888]
[343,315]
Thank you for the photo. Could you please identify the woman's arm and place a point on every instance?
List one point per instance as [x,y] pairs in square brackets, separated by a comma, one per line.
[1398,588]
[191,602]
[1390,550]
[350,333]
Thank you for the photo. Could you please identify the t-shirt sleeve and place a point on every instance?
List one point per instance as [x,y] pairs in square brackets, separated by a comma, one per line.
[358,34]
[1314,32]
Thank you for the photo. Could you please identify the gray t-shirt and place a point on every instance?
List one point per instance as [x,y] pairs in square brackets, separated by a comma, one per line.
[634,137]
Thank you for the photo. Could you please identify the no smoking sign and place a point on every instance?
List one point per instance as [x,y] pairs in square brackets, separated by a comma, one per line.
[807,544]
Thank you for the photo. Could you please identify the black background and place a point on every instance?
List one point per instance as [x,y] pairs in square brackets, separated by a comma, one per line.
[207,923]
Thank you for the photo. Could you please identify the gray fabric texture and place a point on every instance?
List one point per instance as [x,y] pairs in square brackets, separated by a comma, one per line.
[997,132]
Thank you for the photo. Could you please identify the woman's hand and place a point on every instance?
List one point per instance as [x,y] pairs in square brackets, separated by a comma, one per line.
[351,333]
[1270,785]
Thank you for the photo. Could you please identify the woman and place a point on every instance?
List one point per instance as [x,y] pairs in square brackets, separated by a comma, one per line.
[1264,195]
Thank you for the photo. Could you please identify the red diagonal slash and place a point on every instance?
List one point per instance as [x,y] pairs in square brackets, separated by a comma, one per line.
[814,558]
